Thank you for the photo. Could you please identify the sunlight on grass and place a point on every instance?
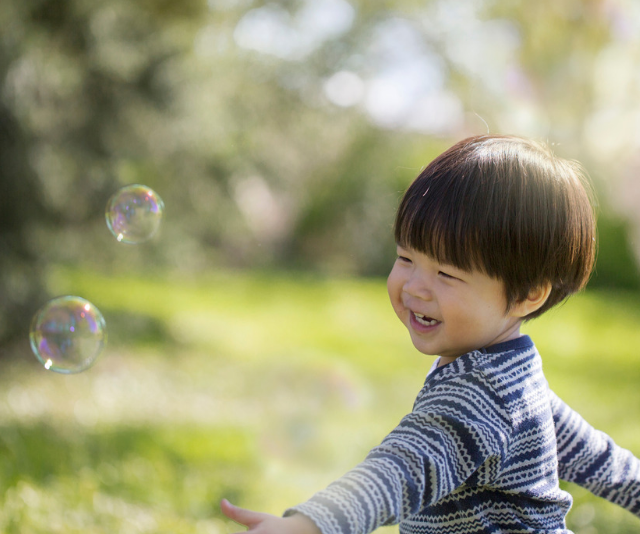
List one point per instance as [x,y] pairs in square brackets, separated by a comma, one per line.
[263,389]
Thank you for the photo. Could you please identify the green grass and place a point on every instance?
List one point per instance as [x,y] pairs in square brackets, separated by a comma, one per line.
[260,388]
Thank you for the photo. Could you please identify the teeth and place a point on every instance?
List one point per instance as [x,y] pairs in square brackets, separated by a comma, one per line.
[420,318]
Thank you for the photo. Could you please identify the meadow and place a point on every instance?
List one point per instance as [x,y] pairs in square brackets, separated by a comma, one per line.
[261,388]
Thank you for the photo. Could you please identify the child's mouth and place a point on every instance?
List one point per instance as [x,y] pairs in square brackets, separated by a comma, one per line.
[424,320]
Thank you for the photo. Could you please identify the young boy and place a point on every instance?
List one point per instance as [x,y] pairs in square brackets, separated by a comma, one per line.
[493,232]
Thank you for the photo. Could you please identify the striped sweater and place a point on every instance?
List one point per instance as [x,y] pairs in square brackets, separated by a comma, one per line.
[481,452]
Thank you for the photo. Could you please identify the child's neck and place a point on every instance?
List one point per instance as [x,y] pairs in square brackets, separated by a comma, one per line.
[445,360]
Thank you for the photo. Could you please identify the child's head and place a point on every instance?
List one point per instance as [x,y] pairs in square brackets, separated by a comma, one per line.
[509,208]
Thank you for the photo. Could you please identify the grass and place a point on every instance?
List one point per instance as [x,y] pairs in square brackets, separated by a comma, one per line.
[259,388]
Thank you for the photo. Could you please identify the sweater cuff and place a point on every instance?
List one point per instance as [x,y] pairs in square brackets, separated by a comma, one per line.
[322,517]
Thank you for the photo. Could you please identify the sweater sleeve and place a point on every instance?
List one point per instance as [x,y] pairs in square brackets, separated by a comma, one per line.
[591,459]
[427,456]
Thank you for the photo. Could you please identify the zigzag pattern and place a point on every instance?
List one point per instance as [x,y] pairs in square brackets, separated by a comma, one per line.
[481,452]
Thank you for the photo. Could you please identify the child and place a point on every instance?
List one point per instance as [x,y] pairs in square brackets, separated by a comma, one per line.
[493,232]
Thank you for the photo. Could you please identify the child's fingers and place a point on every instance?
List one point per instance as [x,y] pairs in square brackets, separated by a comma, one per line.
[245,517]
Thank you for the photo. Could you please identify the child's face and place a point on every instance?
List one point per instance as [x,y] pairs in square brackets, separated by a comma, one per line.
[447,311]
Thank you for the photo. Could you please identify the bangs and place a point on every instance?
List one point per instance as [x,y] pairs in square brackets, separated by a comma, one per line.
[449,219]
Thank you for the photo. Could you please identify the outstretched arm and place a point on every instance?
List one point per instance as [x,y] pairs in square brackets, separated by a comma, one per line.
[431,453]
[591,459]
[428,456]
[260,523]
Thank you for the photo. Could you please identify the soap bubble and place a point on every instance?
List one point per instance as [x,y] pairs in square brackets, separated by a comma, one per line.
[68,334]
[134,213]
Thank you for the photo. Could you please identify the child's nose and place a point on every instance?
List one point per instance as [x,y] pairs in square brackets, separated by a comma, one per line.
[418,286]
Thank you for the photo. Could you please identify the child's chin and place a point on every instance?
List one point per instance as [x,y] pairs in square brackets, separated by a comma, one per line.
[426,350]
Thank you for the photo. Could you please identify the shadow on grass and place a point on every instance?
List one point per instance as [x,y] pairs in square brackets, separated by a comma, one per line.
[183,469]
[126,327]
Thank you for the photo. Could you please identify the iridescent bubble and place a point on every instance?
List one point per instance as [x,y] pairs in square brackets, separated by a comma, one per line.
[68,334]
[134,213]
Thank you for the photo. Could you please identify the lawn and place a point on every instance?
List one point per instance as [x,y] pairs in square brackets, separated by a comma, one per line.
[261,388]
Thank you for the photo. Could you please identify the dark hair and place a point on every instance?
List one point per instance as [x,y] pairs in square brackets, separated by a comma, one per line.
[507,207]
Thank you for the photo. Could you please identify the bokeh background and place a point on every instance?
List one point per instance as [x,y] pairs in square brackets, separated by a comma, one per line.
[251,350]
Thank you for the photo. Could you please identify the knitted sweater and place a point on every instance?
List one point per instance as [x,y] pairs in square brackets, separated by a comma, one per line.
[481,452]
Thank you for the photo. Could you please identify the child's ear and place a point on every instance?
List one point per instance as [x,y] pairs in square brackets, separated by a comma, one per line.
[535,299]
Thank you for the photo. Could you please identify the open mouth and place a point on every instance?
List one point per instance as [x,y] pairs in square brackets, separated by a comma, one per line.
[424,320]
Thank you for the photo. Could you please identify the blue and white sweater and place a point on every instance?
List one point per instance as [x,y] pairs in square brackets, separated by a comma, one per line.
[481,452]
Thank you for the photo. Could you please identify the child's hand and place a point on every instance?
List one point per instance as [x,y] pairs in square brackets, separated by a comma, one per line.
[260,523]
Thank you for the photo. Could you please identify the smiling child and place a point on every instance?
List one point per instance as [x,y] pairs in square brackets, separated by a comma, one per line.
[494,232]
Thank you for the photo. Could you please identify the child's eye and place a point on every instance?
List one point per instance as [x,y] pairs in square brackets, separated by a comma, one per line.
[403,259]
[445,275]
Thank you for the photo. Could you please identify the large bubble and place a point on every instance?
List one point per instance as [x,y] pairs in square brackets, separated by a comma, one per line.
[68,334]
[134,213]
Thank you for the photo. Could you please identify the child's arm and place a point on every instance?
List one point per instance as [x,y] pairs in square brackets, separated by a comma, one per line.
[260,523]
[590,458]
[425,458]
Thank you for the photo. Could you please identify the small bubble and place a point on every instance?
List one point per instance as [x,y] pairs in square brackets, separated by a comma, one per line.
[133,214]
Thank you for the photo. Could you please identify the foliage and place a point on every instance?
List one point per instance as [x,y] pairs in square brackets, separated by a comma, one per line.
[616,264]
[248,387]
[280,135]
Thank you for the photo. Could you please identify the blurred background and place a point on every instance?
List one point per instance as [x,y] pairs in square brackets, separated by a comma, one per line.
[250,340]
